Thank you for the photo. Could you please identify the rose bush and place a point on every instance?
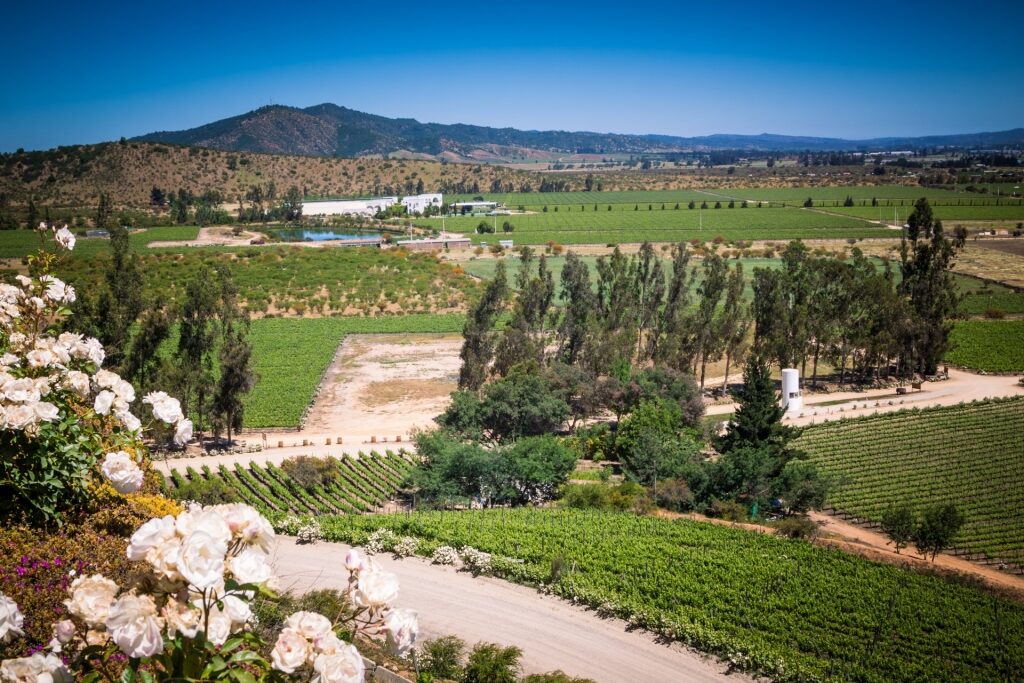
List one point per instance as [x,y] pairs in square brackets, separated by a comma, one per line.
[60,411]
[187,616]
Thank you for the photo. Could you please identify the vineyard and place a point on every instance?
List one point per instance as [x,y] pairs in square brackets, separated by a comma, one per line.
[784,608]
[360,484]
[989,345]
[971,455]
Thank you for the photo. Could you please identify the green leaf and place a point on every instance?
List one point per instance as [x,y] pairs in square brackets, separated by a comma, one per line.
[245,656]
[242,676]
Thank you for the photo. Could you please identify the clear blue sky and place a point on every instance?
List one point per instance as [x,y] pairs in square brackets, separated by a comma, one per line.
[85,72]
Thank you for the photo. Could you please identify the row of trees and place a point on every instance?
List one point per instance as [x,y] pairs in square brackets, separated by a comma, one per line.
[854,314]
[210,365]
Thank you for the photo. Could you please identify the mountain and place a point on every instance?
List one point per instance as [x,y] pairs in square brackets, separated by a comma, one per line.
[332,130]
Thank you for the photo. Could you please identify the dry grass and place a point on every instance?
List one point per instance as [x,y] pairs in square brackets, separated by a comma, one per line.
[378,394]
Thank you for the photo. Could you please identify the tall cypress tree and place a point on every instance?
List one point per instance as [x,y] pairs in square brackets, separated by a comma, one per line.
[478,343]
[758,420]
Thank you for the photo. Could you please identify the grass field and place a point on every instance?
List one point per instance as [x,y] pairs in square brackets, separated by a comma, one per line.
[657,225]
[290,356]
[990,345]
[971,455]
[785,608]
[20,243]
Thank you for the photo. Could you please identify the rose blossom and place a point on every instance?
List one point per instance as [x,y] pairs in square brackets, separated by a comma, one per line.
[38,668]
[355,561]
[64,631]
[91,597]
[135,626]
[78,382]
[402,627]
[248,524]
[182,618]
[375,588]
[183,432]
[165,408]
[202,559]
[250,566]
[345,666]
[46,412]
[122,472]
[218,627]
[290,651]
[309,624]
[11,618]
[104,400]
[155,532]
[65,238]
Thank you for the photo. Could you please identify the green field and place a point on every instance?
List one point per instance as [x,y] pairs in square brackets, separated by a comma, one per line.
[620,225]
[785,608]
[989,345]
[1003,212]
[361,484]
[971,455]
[20,243]
[290,356]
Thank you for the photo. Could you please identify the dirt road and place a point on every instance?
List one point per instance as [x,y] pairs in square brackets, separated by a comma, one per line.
[552,633]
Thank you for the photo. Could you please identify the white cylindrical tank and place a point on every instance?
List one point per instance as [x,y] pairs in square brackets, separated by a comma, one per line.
[792,397]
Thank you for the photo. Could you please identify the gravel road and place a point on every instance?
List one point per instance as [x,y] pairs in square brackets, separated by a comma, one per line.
[552,633]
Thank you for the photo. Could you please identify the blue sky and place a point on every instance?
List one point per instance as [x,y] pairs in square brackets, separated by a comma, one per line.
[85,72]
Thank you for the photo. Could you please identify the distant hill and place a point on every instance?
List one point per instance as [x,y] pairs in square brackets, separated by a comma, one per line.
[331,130]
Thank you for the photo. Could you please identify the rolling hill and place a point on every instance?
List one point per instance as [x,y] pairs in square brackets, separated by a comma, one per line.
[332,130]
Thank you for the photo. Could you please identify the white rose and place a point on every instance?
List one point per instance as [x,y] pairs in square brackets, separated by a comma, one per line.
[21,390]
[310,624]
[64,631]
[11,619]
[94,351]
[104,400]
[247,524]
[355,561]
[375,589]
[122,472]
[124,390]
[57,290]
[345,666]
[129,421]
[38,668]
[135,626]
[41,358]
[202,559]
[165,408]
[218,627]
[182,618]
[19,417]
[105,379]
[65,238]
[91,597]
[153,533]
[46,412]
[183,432]
[328,644]
[402,627]
[211,521]
[290,651]
[78,382]
[251,566]
[237,610]
[164,559]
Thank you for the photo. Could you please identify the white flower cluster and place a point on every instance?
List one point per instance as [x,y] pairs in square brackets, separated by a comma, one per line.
[406,546]
[445,554]
[310,532]
[38,668]
[11,619]
[476,560]
[40,372]
[380,541]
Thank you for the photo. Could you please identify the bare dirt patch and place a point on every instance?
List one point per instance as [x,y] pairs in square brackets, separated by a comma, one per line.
[386,385]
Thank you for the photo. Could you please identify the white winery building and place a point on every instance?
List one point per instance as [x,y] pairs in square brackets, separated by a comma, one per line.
[418,203]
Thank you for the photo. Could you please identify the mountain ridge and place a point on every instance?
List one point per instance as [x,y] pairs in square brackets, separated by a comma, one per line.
[332,130]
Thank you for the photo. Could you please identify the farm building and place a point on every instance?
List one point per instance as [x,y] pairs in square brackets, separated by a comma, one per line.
[442,241]
[473,207]
[337,207]
[418,203]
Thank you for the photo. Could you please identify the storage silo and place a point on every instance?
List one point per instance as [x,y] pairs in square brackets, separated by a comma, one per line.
[792,397]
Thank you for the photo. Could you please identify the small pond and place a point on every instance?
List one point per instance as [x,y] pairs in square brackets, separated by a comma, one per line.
[316,235]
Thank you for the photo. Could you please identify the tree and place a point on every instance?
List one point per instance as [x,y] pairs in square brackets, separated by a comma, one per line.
[575,327]
[939,524]
[757,422]
[649,285]
[291,204]
[520,404]
[478,344]
[143,362]
[103,211]
[733,326]
[926,256]
[800,486]
[710,290]
[32,213]
[898,524]
[157,196]
[535,467]
[236,379]
[651,444]
[196,343]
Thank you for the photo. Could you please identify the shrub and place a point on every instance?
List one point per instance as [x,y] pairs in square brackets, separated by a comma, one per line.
[381,541]
[310,532]
[445,554]
[674,494]
[796,526]
[442,657]
[729,510]
[476,561]
[554,677]
[308,471]
[491,663]
[994,313]
[406,546]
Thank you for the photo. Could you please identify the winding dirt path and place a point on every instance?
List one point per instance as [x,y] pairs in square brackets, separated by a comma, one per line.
[553,633]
